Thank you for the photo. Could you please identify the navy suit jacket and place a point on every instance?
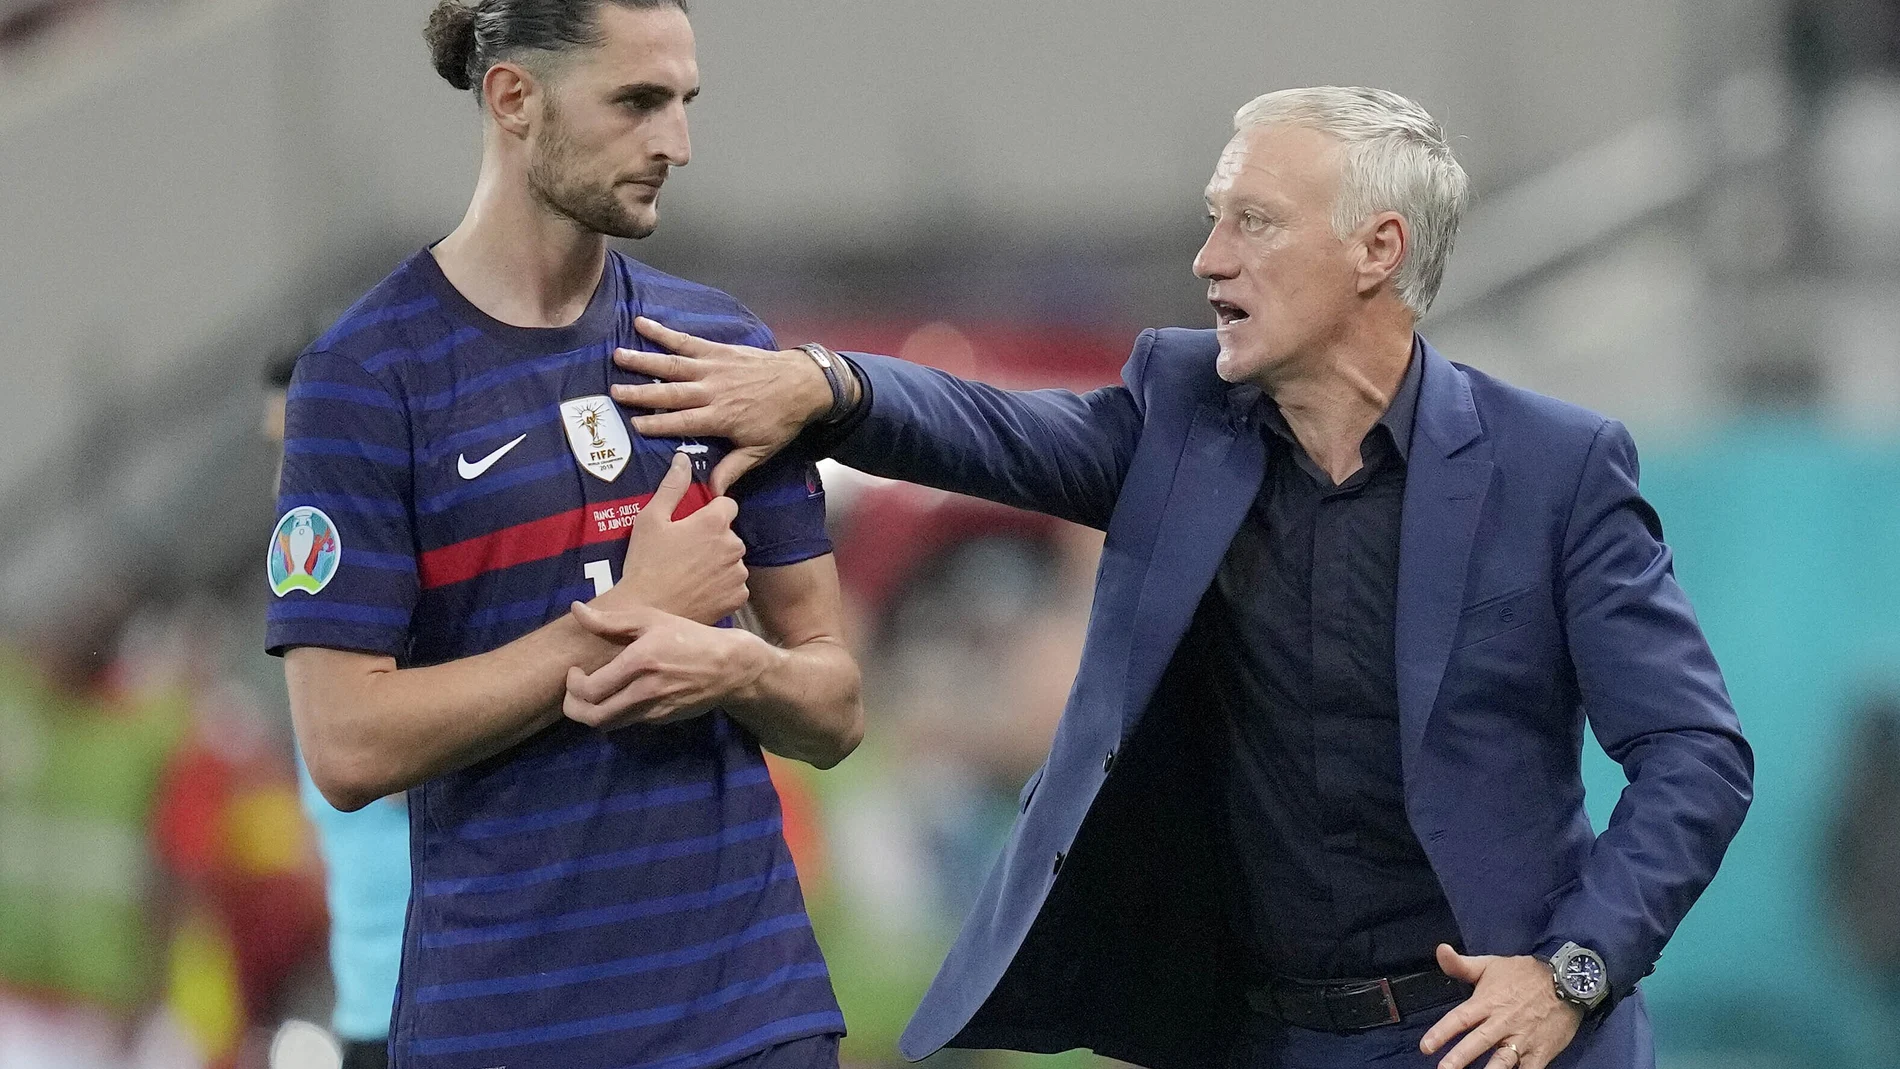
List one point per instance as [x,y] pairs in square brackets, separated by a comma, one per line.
[1534,593]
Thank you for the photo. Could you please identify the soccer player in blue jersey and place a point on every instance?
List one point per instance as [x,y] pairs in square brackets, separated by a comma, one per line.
[594,886]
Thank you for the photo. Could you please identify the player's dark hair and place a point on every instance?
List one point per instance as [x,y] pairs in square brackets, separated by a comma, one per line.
[465,39]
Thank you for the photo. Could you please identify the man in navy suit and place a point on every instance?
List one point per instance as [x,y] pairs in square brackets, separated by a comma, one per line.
[1315,801]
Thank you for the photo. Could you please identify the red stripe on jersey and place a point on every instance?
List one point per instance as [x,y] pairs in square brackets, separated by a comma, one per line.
[551,536]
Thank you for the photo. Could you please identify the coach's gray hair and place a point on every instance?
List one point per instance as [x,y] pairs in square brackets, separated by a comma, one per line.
[1396,159]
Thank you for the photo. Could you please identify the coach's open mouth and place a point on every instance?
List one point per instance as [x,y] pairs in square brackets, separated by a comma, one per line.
[1227,313]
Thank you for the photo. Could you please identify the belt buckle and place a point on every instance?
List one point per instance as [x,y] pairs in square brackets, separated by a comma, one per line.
[1383,986]
[1392,1014]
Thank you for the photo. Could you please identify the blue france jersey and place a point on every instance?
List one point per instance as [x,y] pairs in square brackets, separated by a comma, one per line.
[586,900]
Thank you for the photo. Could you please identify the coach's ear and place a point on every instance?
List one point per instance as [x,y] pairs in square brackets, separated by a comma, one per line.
[513,98]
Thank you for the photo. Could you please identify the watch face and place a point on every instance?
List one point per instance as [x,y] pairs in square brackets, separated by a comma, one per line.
[1582,975]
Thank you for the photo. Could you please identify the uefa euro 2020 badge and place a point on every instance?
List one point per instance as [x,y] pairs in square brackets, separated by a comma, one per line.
[304,552]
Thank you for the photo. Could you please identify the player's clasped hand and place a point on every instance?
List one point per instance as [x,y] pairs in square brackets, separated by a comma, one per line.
[722,391]
[692,567]
[672,669]
[1514,1013]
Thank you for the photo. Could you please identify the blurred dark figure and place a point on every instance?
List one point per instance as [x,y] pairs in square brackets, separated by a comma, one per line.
[1829,40]
[1863,856]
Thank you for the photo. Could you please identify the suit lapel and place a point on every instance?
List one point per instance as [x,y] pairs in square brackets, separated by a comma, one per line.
[1447,476]
[1214,484]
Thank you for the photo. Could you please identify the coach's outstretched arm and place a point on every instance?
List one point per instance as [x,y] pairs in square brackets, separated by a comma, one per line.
[1051,451]
[370,729]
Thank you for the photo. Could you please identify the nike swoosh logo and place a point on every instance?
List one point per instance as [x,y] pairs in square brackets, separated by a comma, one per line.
[475,470]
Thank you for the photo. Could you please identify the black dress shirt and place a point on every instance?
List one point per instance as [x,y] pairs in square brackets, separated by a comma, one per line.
[1332,881]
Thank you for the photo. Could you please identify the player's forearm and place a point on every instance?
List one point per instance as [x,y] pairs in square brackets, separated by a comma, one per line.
[805,704]
[371,731]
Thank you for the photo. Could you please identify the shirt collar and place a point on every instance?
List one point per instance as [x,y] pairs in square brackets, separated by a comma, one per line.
[1402,413]
[1399,418]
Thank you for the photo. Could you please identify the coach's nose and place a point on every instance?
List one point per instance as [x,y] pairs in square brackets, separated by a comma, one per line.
[1217,259]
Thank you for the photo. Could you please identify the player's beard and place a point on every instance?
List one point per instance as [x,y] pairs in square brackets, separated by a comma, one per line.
[555,181]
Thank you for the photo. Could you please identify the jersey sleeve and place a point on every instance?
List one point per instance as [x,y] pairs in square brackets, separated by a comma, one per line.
[341,561]
[781,502]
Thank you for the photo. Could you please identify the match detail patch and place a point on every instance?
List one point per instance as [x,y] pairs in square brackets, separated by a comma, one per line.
[304,552]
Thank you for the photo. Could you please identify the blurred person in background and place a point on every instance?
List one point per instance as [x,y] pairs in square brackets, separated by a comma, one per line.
[594,881]
[366,870]
[1862,866]
[1366,596]
[973,616]
[82,921]
[158,899]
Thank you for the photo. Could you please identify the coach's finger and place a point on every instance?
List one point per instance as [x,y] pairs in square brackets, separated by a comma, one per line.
[1472,1047]
[662,396]
[735,464]
[1507,1058]
[689,423]
[659,365]
[683,344]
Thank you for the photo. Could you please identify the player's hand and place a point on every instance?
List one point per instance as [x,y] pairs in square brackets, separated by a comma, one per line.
[692,567]
[1515,1014]
[756,399]
[672,669]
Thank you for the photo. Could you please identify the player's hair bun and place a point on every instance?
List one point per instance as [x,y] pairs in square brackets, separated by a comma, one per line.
[451,37]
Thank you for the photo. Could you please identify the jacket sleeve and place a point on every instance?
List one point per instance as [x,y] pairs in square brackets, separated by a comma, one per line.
[1656,702]
[1049,451]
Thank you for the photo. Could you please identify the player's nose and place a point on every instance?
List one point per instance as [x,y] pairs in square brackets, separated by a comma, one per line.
[673,142]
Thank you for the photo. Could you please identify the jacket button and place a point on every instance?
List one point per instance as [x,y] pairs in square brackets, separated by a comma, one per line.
[1057,871]
[1108,762]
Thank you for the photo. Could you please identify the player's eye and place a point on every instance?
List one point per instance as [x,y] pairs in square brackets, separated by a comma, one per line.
[644,103]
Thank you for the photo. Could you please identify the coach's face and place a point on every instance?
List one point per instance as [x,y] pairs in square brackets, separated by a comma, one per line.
[1281,283]
[613,122]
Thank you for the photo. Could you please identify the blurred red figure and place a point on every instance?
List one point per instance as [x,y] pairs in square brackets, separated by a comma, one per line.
[155,902]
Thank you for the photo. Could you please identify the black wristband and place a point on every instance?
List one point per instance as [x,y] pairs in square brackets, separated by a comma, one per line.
[827,362]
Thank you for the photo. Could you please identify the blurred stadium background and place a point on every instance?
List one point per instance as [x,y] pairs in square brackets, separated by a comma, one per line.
[1688,217]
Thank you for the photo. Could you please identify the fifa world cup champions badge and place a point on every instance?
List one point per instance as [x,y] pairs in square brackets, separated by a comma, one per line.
[598,435]
[304,552]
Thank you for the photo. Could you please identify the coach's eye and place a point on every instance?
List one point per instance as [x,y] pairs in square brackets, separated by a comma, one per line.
[1253,222]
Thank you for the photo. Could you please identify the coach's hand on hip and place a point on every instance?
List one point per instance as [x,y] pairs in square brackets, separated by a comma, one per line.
[756,399]
[1515,1013]
[692,567]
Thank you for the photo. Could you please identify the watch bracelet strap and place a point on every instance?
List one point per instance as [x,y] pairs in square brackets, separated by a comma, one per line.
[829,362]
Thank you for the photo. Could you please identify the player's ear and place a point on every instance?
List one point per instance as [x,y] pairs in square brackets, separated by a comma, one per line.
[510,91]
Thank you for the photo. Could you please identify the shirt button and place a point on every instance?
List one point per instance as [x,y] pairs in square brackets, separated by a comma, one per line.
[1108,762]
[1057,871]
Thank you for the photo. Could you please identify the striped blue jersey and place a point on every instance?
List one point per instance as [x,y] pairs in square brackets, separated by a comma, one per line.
[586,899]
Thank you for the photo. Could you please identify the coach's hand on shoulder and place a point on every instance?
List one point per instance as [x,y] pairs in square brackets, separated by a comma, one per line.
[692,567]
[672,669]
[1514,1014]
[756,399]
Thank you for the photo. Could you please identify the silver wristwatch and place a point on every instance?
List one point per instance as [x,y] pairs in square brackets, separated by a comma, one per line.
[1580,976]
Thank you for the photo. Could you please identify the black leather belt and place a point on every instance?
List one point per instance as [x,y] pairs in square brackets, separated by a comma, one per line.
[1355,1005]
